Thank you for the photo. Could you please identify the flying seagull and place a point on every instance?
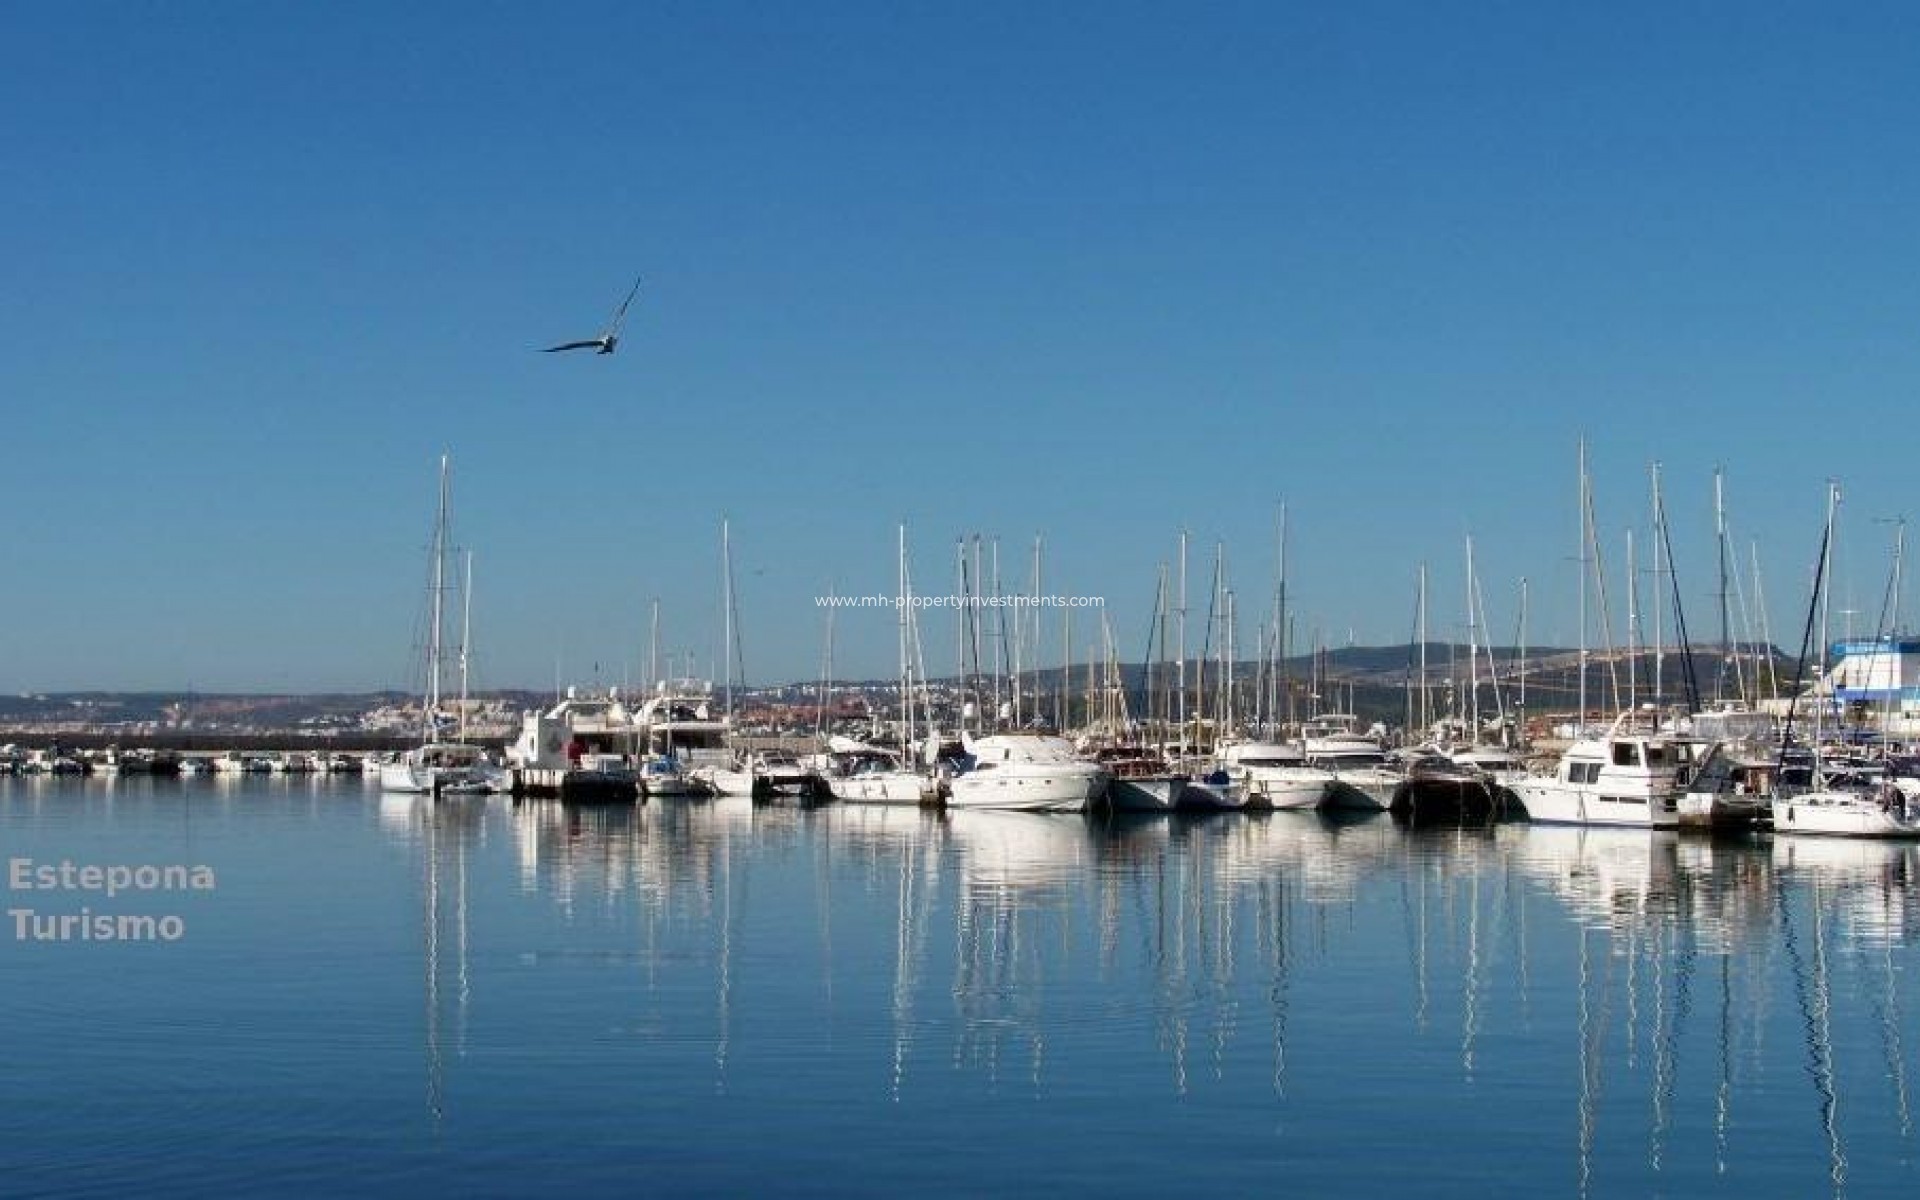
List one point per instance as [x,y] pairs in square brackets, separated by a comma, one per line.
[608,340]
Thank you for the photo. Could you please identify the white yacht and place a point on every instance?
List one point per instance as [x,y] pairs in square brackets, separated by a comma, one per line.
[1885,812]
[875,781]
[1274,775]
[438,768]
[585,744]
[1362,775]
[1141,780]
[684,735]
[762,773]
[1632,775]
[860,773]
[1501,766]
[666,775]
[1026,772]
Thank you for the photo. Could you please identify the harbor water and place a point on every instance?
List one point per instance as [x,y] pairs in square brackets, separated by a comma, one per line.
[372,995]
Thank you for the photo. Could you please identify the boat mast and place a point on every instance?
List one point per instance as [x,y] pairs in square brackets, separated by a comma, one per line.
[1426,696]
[1493,661]
[1180,643]
[436,617]
[998,637]
[726,605]
[1887,636]
[1030,619]
[1580,723]
[466,633]
[1156,666]
[1826,593]
[1727,615]
[906,670]
[1282,682]
[1633,625]
[1227,652]
[826,673]
[1065,695]
[1473,655]
[1659,635]
[653,648]
[1600,594]
[1521,706]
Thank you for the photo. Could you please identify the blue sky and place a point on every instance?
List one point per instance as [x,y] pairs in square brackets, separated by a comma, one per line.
[1095,272]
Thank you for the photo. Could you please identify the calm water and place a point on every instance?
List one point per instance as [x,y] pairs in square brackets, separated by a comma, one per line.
[384,996]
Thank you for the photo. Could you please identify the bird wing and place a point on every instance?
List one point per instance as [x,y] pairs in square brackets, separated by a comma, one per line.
[620,314]
[574,345]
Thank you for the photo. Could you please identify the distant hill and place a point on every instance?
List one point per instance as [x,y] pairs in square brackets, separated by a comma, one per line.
[1372,681]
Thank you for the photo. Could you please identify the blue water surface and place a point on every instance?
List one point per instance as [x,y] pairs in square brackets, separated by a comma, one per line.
[392,996]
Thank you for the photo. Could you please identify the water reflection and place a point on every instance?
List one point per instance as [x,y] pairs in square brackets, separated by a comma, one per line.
[445,834]
[1638,984]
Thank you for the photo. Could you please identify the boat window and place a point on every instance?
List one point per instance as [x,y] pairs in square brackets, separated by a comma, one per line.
[1658,756]
[1625,754]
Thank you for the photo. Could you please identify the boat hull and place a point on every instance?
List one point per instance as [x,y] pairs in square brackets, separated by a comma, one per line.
[1833,814]
[1553,802]
[1153,793]
[1364,790]
[883,787]
[1288,789]
[1056,791]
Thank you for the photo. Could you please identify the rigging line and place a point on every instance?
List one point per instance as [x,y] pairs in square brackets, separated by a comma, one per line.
[1679,612]
[1806,639]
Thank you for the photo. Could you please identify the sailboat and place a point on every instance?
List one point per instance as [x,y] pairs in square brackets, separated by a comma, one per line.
[1883,812]
[876,775]
[436,766]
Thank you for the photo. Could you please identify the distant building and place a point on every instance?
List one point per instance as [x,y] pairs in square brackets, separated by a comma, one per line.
[1883,673]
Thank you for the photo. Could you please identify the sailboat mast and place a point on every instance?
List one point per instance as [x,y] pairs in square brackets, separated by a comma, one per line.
[1522,706]
[1030,619]
[653,647]
[1473,655]
[906,671]
[826,673]
[1180,642]
[1426,697]
[1065,717]
[1633,626]
[1727,615]
[437,605]
[1581,721]
[1899,557]
[726,604]
[1826,592]
[1276,660]
[466,635]
[1228,651]
[1159,703]
[1660,592]
[999,639]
